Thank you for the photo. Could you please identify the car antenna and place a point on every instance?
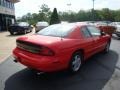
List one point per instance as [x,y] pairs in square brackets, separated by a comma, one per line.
[61,36]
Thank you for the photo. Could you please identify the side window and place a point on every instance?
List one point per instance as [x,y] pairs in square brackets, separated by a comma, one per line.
[94,31]
[85,32]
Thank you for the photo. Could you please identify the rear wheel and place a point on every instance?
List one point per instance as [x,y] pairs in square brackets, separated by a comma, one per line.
[30,30]
[12,33]
[75,62]
[34,70]
[25,31]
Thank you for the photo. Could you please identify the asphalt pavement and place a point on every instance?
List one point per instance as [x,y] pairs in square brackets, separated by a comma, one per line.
[93,75]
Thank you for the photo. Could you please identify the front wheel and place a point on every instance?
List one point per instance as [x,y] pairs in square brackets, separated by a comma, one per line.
[75,62]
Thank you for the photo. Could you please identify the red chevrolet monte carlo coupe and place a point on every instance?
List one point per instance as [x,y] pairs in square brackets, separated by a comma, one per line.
[60,47]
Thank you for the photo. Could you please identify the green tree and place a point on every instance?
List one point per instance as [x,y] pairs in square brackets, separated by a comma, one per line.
[106,15]
[44,13]
[117,15]
[54,17]
[83,15]
[64,16]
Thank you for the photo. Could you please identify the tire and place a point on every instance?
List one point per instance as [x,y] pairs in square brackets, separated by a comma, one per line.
[34,70]
[12,33]
[107,48]
[30,30]
[75,62]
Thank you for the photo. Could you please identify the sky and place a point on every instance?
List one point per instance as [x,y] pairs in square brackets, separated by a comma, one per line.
[32,6]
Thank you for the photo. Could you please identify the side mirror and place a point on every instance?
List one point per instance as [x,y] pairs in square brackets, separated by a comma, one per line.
[103,33]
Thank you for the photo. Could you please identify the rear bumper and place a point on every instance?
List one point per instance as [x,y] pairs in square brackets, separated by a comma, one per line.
[42,63]
[17,30]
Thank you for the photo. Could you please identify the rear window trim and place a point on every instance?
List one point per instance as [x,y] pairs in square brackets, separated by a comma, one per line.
[65,36]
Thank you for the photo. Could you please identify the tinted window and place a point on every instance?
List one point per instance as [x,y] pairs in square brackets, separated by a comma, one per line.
[94,31]
[23,24]
[57,30]
[42,24]
[85,32]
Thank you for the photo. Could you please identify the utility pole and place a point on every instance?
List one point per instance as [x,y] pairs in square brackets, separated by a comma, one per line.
[93,3]
[93,14]
[69,5]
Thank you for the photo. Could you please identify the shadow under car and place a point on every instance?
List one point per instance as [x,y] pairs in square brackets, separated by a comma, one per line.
[93,75]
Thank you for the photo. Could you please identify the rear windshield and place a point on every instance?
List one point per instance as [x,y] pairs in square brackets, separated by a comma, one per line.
[57,30]
[23,24]
[42,24]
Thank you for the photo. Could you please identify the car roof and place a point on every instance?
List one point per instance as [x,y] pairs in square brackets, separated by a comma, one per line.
[76,24]
[42,23]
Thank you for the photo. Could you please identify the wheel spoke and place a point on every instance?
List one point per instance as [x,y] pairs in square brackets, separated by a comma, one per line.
[76,63]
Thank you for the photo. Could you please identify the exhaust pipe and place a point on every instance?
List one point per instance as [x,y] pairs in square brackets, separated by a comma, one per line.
[15,61]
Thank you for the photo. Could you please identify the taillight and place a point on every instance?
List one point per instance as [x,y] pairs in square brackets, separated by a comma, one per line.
[46,51]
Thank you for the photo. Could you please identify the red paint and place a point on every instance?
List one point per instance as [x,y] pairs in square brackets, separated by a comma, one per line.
[57,51]
[107,29]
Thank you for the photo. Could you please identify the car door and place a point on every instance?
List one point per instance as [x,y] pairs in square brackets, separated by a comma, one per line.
[88,42]
[99,40]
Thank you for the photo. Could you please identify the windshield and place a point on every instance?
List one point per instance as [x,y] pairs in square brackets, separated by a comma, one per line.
[42,24]
[23,24]
[57,30]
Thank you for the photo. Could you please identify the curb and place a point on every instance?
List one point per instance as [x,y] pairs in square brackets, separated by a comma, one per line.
[115,79]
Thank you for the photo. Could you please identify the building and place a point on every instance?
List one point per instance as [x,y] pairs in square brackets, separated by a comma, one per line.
[7,13]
